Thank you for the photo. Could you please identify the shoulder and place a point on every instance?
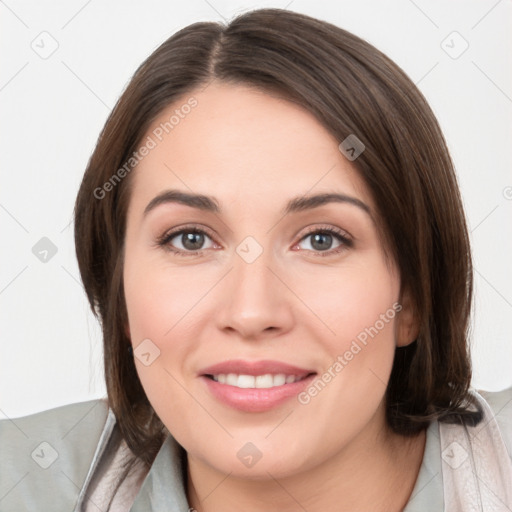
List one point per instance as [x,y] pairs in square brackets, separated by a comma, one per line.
[500,403]
[46,456]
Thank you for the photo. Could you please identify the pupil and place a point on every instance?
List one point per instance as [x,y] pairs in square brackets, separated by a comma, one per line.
[319,238]
[192,241]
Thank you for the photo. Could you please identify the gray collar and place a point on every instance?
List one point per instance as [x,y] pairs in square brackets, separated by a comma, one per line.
[427,493]
[164,485]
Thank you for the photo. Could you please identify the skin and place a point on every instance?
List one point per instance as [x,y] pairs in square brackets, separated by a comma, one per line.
[253,152]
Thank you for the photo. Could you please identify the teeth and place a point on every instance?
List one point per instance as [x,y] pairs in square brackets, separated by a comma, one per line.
[232,379]
[259,381]
[246,381]
[264,381]
[279,379]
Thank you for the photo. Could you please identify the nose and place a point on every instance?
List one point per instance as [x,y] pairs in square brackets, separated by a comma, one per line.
[256,302]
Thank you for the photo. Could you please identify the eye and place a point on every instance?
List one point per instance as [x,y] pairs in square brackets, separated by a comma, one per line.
[191,239]
[322,240]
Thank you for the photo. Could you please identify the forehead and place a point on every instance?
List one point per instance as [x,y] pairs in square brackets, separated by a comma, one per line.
[234,141]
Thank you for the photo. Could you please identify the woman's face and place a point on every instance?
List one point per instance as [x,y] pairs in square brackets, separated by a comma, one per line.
[263,291]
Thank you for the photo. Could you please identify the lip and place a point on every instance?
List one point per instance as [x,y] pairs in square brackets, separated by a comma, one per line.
[255,399]
[254,368]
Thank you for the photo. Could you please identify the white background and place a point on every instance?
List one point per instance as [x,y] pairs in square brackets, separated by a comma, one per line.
[53,109]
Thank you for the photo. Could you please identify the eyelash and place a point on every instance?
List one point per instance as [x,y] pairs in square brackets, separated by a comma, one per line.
[163,240]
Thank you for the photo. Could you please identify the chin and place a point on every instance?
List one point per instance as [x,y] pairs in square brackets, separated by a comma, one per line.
[252,461]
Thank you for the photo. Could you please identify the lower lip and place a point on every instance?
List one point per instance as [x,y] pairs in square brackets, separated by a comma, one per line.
[255,399]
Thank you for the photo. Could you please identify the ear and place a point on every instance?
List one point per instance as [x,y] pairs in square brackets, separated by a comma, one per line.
[407,322]
[127,331]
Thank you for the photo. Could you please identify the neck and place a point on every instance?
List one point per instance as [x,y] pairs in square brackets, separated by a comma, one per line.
[377,471]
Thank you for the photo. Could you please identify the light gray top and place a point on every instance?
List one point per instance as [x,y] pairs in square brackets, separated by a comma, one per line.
[68,458]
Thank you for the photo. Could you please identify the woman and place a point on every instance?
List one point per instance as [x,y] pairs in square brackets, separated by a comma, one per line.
[272,236]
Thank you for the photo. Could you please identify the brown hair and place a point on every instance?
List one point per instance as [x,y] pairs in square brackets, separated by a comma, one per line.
[352,88]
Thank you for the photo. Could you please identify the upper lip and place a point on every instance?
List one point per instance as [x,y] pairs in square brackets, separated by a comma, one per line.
[254,368]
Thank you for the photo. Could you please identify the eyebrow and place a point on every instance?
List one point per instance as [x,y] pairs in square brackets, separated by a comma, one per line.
[210,204]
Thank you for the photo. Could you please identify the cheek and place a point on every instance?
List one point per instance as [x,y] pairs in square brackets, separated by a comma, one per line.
[157,299]
[157,304]
[358,310]
[162,305]
[348,302]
